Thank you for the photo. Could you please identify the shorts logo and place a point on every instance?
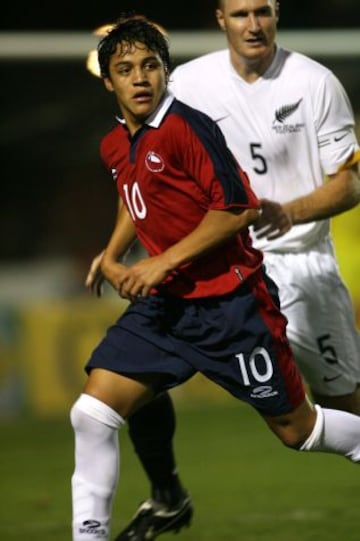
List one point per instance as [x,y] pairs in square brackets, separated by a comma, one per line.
[154,162]
[264,391]
[333,378]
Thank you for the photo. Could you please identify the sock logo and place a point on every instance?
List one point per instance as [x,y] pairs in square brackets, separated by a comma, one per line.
[91,523]
[92,527]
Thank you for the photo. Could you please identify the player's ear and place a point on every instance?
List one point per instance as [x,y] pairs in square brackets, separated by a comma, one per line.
[277,11]
[108,84]
[220,18]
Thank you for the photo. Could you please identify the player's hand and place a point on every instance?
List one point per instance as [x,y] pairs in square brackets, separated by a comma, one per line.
[273,222]
[95,277]
[143,276]
[115,273]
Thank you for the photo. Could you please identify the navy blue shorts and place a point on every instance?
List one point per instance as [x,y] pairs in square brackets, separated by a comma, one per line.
[237,340]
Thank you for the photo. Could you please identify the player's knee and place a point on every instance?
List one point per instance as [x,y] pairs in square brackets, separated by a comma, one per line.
[293,439]
[77,417]
[291,435]
[81,421]
[295,428]
[89,414]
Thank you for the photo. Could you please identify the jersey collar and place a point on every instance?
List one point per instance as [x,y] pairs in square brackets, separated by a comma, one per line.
[155,119]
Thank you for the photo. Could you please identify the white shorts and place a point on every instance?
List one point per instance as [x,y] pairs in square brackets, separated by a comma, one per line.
[321,323]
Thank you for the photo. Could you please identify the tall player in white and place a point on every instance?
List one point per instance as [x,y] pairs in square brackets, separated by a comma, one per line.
[289,122]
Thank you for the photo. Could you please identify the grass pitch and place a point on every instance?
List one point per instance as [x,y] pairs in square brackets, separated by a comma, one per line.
[245,485]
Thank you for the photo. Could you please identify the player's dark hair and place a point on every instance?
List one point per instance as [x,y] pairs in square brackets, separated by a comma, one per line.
[129,29]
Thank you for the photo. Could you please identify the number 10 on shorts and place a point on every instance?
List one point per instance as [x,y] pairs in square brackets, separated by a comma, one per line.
[259,366]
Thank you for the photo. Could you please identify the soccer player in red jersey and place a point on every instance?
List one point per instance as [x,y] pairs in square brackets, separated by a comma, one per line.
[201,301]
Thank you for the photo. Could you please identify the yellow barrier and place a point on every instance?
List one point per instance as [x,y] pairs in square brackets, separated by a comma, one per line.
[57,339]
[346,233]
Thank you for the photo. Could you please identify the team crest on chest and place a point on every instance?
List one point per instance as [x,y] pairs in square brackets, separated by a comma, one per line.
[280,123]
[154,162]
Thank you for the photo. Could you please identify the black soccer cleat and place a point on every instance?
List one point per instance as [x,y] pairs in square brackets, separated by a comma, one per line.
[154,518]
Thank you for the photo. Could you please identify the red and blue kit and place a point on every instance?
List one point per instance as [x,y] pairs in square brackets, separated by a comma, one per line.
[218,315]
[175,169]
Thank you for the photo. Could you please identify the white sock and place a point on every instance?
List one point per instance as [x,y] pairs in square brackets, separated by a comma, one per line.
[96,467]
[336,432]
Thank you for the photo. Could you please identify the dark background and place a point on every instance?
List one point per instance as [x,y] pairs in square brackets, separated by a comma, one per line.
[74,15]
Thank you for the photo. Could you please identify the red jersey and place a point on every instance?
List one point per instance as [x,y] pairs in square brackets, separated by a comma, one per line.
[169,174]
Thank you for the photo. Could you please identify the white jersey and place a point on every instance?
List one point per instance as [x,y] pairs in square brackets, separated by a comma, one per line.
[288,129]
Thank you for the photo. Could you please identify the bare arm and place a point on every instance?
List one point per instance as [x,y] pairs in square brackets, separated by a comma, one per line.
[105,265]
[339,194]
[95,279]
[215,229]
[122,237]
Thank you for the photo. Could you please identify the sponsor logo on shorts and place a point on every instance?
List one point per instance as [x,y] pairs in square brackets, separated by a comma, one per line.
[333,378]
[264,391]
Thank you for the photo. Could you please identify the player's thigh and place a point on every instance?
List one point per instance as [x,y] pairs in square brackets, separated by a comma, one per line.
[239,342]
[122,393]
[321,325]
[135,360]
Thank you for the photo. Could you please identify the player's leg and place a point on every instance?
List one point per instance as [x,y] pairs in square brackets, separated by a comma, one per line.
[169,508]
[312,428]
[321,325]
[258,367]
[327,349]
[96,416]
[304,426]
[152,429]
[127,369]
[346,402]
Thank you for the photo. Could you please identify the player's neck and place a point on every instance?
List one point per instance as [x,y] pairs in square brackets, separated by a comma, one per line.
[251,69]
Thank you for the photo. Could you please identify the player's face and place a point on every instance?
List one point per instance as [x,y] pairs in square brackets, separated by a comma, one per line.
[137,76]
[250,27]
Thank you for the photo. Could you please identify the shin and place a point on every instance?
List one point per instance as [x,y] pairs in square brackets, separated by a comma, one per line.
[96,467]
